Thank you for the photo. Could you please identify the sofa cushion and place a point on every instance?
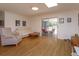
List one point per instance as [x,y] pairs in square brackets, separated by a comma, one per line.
[23,31]
[6,32]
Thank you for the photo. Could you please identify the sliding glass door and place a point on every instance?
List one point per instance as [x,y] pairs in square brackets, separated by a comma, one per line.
[49,27]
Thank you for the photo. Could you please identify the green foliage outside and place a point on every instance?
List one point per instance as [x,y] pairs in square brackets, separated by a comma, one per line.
[51,24]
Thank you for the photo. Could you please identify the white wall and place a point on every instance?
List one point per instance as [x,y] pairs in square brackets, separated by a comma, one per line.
[10,19]
[66,30]
[35,24]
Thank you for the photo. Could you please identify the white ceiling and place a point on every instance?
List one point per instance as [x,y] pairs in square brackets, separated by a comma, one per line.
[25,8]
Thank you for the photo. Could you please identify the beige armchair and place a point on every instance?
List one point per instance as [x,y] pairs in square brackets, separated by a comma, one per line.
[8,38]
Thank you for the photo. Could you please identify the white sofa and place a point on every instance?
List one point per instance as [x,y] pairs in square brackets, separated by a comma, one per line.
[23,32]
[8,37]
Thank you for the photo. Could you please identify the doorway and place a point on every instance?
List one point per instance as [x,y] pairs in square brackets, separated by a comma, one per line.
[49,27]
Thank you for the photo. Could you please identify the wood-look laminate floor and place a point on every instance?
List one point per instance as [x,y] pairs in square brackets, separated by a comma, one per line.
[40,46]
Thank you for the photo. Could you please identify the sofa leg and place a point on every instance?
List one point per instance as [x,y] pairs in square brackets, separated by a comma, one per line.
[2,45]
[16,45]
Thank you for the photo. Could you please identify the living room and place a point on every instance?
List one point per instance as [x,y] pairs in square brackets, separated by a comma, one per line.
[16,19]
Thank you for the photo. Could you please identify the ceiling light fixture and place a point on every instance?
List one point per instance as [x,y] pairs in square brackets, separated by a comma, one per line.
[51,4]
[35,8]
